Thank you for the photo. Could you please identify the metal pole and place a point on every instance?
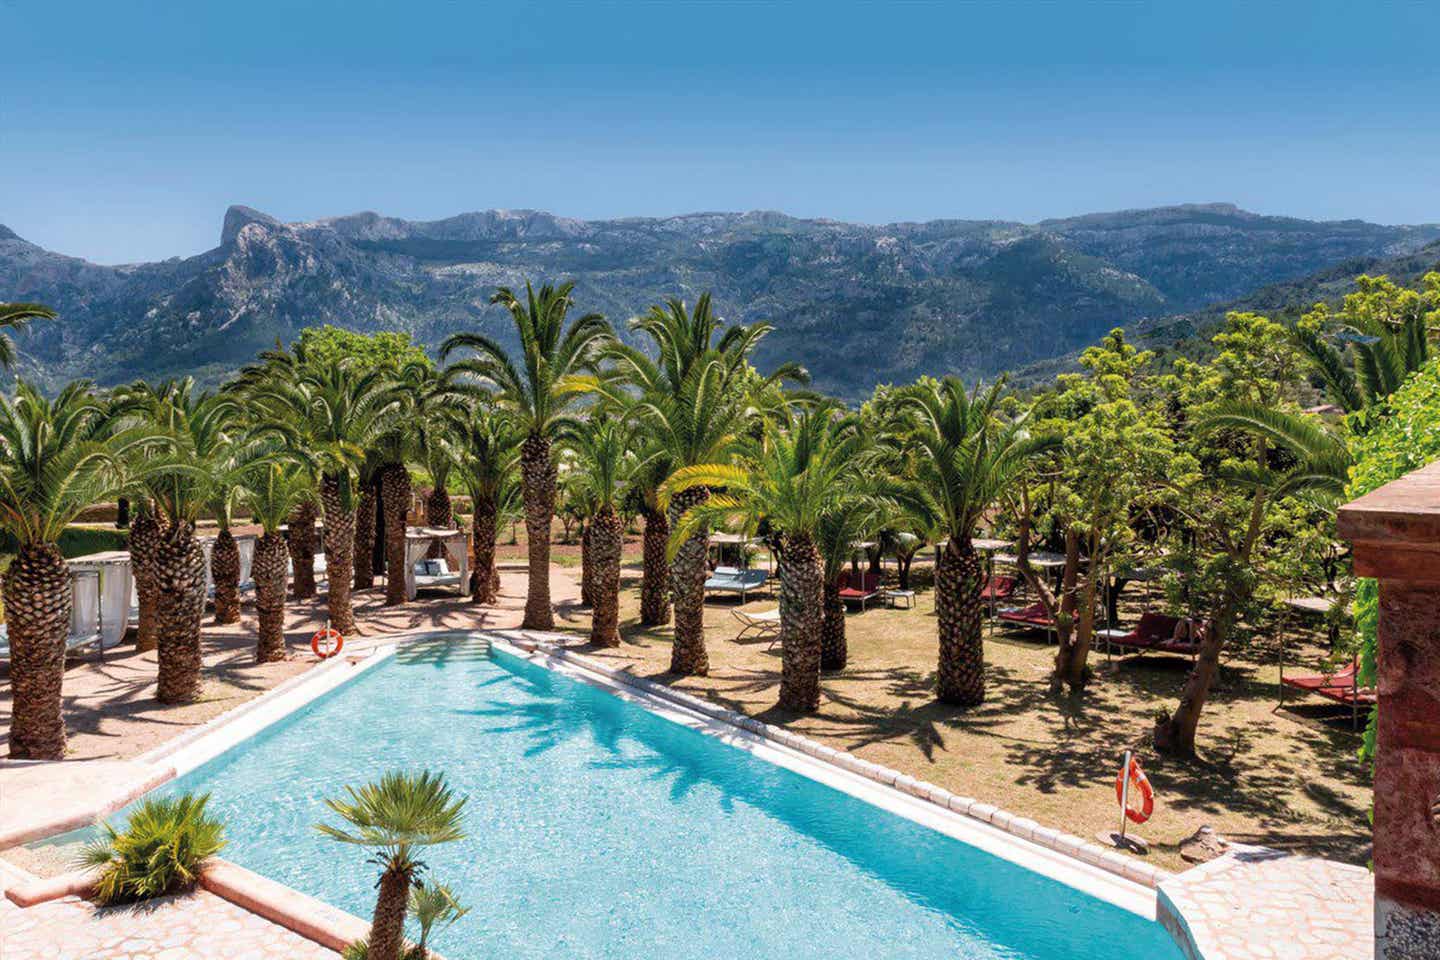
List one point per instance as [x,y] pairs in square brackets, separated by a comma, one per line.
[1124,796]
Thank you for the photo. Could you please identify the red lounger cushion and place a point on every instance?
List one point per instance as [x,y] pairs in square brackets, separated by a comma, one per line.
[1034,615]
[869,586]
[998,588]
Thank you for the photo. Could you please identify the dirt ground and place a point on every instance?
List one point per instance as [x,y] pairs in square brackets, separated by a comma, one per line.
[1286,778]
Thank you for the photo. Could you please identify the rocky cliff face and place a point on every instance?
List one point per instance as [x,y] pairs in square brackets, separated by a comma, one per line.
[857,304]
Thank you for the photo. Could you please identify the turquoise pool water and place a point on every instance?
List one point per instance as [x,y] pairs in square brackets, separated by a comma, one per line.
[599,830]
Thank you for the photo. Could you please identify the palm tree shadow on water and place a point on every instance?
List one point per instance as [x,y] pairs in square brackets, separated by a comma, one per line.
[983,898]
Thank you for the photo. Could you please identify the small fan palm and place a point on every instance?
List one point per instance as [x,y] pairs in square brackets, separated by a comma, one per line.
[393,816]
[961,457]
[162,850]
[539,387]
[435,908]
[18,316]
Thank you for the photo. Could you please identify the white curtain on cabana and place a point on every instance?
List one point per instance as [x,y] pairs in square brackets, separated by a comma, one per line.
[84,607]
[207,544]
[117,591]
[246,544]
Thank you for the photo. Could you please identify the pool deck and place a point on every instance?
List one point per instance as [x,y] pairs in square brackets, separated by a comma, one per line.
[1252,904]
[1260,904]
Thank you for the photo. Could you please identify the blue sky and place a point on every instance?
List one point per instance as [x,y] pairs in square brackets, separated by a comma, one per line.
[126,128]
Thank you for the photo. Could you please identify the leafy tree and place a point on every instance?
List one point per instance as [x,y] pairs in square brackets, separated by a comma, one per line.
[539,388]
[393,817]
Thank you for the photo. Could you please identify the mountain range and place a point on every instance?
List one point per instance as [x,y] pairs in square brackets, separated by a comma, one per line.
[857,304]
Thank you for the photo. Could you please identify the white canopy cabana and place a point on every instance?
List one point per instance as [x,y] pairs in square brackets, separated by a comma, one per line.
[115,590]
[451,570]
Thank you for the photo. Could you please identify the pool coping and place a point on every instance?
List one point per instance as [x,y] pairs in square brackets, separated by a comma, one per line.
[1078,863]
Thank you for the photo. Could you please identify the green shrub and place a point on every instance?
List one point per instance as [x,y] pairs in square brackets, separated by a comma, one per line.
[77,541]
[161,850]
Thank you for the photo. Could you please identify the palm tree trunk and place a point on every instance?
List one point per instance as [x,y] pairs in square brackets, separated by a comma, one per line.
[268,570]
[37,615]
[387,928]
[607,539]
[122,513]
[339,555]
[395,493]
[440,514]
[484,582]
[537,475]
[834,652]
[144,544]
[688,656]
[225,572]
[654,578]
[801,588]
[587,566]
[365,539]
[180,564]
[302,548]
[961,673]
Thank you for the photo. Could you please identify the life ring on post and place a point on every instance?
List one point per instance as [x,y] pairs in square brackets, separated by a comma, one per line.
[1139,783]
[331,639]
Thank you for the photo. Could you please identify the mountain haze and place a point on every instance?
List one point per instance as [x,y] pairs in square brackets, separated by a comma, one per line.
[857,304]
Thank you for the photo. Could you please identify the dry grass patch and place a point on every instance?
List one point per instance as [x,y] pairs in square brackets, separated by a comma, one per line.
[1288,779]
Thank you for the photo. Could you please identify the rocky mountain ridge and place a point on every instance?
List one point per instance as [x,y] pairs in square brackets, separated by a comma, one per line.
[858,304]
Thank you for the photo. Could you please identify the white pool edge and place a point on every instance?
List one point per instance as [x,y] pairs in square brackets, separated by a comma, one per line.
[1058,856]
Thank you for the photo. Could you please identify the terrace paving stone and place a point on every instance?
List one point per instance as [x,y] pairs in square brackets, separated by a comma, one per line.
[1260,904]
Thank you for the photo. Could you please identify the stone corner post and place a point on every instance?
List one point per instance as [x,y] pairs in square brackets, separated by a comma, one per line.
[1396,535]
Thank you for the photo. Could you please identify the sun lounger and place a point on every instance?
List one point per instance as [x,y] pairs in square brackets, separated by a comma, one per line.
[1034,617]
[734,580]
[1341,686]
[1161,633]
[860,591]
[758,626]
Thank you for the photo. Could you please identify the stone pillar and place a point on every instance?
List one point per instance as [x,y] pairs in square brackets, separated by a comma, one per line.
[1396,534]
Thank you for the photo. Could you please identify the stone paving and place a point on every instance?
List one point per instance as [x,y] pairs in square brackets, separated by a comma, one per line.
[1260,904]
[198,926]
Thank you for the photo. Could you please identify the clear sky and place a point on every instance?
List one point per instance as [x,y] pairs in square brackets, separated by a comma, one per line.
[127,127]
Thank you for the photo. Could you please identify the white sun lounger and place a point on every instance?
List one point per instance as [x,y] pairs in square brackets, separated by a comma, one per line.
[758,626]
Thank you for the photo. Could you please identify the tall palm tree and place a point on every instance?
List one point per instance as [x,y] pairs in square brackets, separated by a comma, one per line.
[487,450]
[17,316]
[365,515]
[272,487]
[537,386]
[392,817]
[602,449]
[692,399]
[965,456]
[790,480]
[337,414]
[57,457]
[203,430]
[145,535]
[853,517]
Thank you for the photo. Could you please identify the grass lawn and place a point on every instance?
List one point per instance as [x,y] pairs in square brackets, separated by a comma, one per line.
[1288,779]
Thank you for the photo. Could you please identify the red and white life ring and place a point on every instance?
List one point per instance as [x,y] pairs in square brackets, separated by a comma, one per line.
[1139,784]
[332,640]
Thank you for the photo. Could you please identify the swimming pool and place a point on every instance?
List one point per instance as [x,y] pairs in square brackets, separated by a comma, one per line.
[598,829]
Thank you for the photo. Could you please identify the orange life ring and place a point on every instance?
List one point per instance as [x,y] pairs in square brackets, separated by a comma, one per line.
[1138,781]
[334,643]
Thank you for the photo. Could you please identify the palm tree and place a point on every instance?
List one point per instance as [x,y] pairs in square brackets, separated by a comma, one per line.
[434,905]
[602,449]
[57,457]
[145,535]
[272,487]
[203,429]
[693,405]
[337,415]
[539,393]
[965,457]
[853,517]
[17,316]
[1319,464]
[487,448]
[365,515]
[393,817]
[791,480]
